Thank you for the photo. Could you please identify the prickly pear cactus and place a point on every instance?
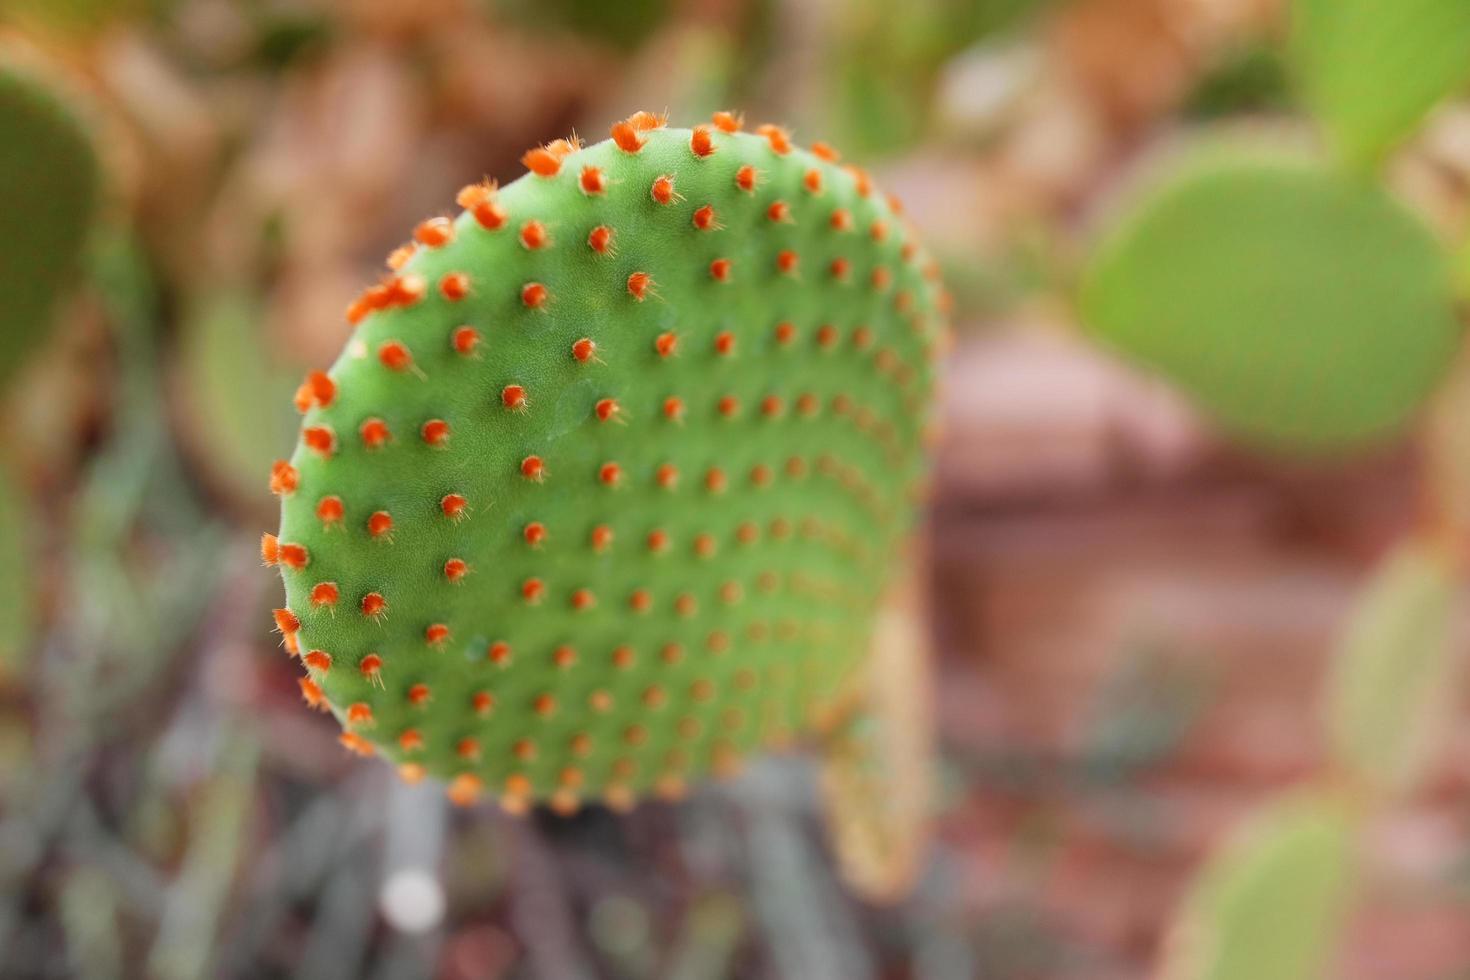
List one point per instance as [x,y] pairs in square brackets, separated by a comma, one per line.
[605,489]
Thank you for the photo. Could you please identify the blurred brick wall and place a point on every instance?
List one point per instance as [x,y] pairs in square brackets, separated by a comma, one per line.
[1134,624]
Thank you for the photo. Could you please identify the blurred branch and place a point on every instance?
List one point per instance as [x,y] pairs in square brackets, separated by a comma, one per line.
[796,903]
[541,910]
[185,943]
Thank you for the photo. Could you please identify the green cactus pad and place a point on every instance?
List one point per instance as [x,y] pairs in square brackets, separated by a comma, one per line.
[50,181]
[1304,311]
[583,517]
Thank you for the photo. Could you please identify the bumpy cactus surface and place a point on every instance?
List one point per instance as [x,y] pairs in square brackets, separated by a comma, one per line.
[605,489]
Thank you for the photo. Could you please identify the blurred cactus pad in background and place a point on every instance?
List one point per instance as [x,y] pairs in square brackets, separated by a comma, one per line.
[48,160]
[607,486]
[51,183]
[1302,309]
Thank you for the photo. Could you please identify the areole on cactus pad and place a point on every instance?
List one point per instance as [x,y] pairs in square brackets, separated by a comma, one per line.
[606,488]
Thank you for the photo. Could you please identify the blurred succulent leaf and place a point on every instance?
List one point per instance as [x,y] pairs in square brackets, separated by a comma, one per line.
[626,24]
[1302,310]
[1251,78]
[78,18]
[235,403]
[753,38]
[284,36]
[219,825]
[878,761]
[710,938]
[49,182]
[1392,679]
[964,22]
[1371,69]
[89,909]
[888,58]
[17,598]
[1269,904]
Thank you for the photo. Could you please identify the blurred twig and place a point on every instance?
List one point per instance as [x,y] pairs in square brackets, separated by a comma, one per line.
[185,944]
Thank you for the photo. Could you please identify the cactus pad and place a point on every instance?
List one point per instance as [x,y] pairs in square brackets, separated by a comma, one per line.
[604,491]
[51,185]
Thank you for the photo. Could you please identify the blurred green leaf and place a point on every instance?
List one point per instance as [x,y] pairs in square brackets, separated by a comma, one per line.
[1371,69]
[218,836]
[709,938]
[72,17]
[49,183]
[89,910]
[1393,675]
[284,36]
[1302,310]
[625,24]
[888,57]
[1269,905]
[1252,78]
[17,599]
[236,414]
